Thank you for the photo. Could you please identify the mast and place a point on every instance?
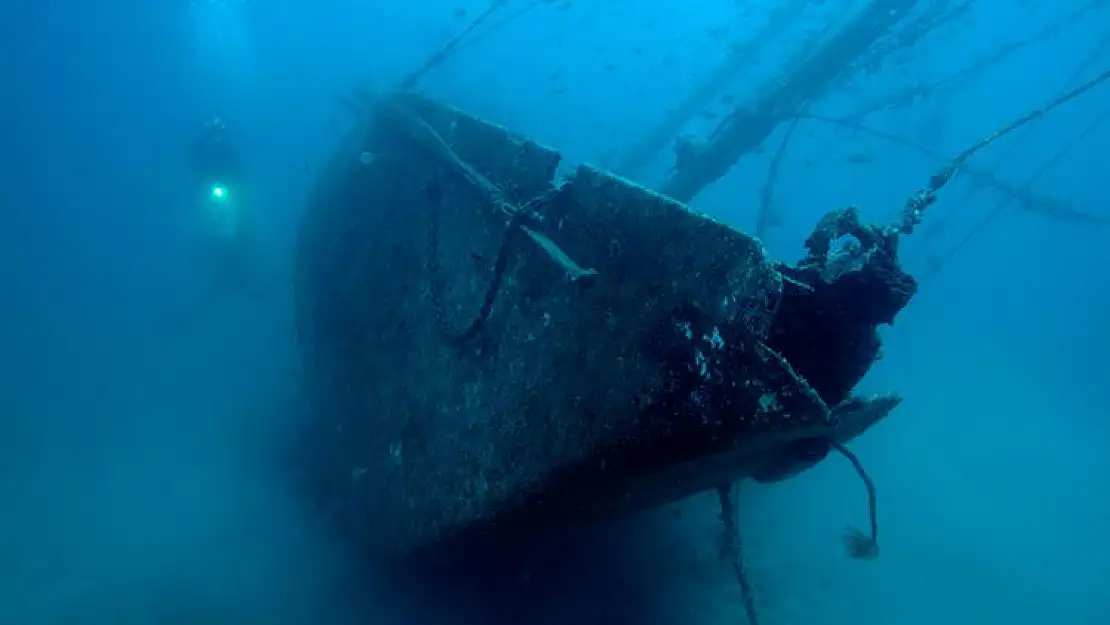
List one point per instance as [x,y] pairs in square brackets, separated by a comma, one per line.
[740,57]
[808,78]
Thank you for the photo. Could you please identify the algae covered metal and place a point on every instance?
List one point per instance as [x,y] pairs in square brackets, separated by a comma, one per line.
[488,350]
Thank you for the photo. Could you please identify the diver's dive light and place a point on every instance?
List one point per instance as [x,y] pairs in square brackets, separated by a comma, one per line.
[222,211]
[219,192]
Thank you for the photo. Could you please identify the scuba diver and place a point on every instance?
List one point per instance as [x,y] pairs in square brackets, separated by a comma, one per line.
[229,242]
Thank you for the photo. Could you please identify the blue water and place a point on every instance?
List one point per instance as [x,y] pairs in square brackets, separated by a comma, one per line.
[134,451]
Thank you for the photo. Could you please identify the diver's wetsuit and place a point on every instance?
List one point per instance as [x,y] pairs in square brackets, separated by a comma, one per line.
[220,198]
[212,156]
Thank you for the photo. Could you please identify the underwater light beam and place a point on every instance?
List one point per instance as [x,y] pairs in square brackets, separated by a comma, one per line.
[222,46]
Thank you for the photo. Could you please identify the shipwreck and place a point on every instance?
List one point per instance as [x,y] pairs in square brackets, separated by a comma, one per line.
[490,350]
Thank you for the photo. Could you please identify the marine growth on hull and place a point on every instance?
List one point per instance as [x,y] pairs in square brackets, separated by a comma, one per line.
[493,352]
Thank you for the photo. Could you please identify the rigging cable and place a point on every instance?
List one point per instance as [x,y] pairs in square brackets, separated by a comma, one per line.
[447,50]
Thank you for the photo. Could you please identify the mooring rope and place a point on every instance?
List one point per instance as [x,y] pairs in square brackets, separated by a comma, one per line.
[858,545]
[450,47]
[1002,205]
[732,551]
[502,23]
[938,263]
[915,207]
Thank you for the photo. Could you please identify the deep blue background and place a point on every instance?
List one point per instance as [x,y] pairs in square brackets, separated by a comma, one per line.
[126,454]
